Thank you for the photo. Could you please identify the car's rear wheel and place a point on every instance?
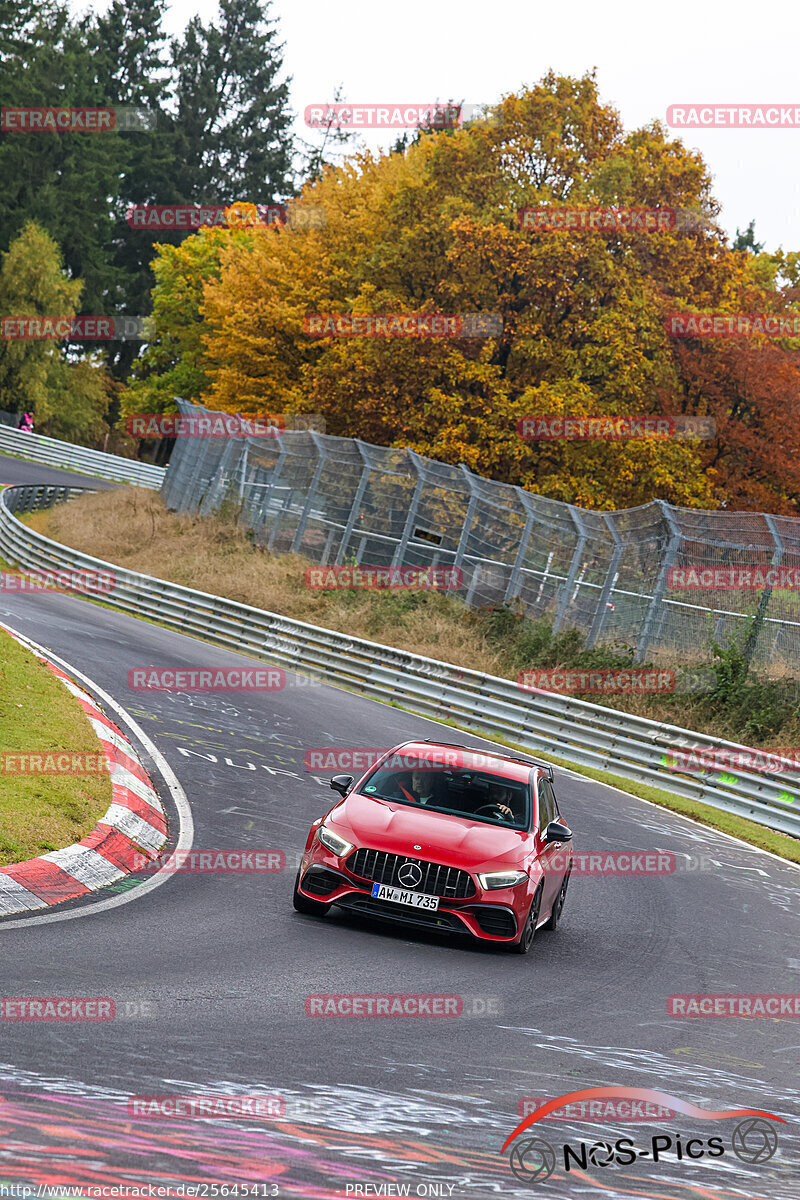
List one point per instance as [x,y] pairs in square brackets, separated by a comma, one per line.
[558,905]
[309,908]
[529,928]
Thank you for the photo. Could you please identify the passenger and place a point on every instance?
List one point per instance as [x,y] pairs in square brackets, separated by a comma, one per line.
[420,789]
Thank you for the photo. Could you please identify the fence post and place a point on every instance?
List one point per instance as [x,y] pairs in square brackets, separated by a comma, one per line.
[217,483]
[174,489]
[279,515]
[170,484]
[243,468]
[608,584]
[419,467]
[530,519]
[355,506]
[190,494]
[327,547]
[580,546]
[468,518]
[273,475]
[199,473]
[766,595]
[655,615]
[322,456]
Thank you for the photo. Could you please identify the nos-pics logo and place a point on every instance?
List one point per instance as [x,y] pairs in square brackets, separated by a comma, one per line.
[533,1159]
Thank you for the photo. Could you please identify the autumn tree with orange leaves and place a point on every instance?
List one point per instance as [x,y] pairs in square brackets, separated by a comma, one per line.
[433,228]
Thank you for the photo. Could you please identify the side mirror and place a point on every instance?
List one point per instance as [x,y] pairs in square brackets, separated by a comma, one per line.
[343,783]
[556,832]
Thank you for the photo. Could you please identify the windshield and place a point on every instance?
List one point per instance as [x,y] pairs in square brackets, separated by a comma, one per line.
[479,795]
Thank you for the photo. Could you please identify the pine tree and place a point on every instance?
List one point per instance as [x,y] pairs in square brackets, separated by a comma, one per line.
[232,121]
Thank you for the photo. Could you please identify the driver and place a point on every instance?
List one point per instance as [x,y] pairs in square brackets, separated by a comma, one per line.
[501,797]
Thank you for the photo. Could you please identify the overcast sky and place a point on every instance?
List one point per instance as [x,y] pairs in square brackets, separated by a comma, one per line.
[647,55]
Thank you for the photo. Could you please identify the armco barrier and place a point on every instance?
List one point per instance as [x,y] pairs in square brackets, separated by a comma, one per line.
[54,453]
[589,734]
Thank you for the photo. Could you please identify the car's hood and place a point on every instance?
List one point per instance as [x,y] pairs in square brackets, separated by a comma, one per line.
[454,841]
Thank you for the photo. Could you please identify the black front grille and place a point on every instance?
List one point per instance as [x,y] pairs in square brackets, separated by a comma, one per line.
[497,922]
[449,883]
[365,906]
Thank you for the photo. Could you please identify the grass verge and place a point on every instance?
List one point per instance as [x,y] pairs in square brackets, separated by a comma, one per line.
[39,813]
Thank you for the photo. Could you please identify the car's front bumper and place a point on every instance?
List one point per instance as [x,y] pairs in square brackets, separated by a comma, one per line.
[490,916]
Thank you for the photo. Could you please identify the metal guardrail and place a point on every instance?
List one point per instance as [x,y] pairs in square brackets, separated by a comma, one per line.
[30,497]
[588,734]
[54,453]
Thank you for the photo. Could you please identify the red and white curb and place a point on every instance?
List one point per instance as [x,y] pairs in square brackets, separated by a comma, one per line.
[134,825]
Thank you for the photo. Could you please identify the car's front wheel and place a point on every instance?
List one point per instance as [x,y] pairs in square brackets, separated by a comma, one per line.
[309,908]
[529,928]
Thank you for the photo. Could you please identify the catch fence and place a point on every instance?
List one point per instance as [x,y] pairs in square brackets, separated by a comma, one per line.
[611,575]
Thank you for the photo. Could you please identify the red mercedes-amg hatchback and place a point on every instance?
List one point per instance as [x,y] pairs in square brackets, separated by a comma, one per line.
[446,838]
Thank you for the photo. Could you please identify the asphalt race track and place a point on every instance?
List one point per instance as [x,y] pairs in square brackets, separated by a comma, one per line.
[18,470]
[209,973]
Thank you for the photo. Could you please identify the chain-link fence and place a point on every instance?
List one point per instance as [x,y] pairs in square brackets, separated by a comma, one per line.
[664,580]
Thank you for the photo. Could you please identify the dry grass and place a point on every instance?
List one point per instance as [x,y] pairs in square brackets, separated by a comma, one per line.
[132,528]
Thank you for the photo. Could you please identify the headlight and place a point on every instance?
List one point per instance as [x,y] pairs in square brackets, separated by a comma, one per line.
[501,879]
[332,840]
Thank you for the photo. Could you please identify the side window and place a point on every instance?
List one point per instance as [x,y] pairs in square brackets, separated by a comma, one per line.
[547,805]
[556,813]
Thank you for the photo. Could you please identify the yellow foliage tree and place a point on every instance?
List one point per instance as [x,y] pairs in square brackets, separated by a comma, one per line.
[434,229]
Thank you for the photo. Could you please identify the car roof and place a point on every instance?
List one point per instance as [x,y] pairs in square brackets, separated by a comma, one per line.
[452,754]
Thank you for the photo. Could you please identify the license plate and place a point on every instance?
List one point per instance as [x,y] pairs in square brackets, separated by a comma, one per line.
[383,891]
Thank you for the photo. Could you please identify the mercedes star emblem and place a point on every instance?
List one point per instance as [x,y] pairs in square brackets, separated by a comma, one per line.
[409,874]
